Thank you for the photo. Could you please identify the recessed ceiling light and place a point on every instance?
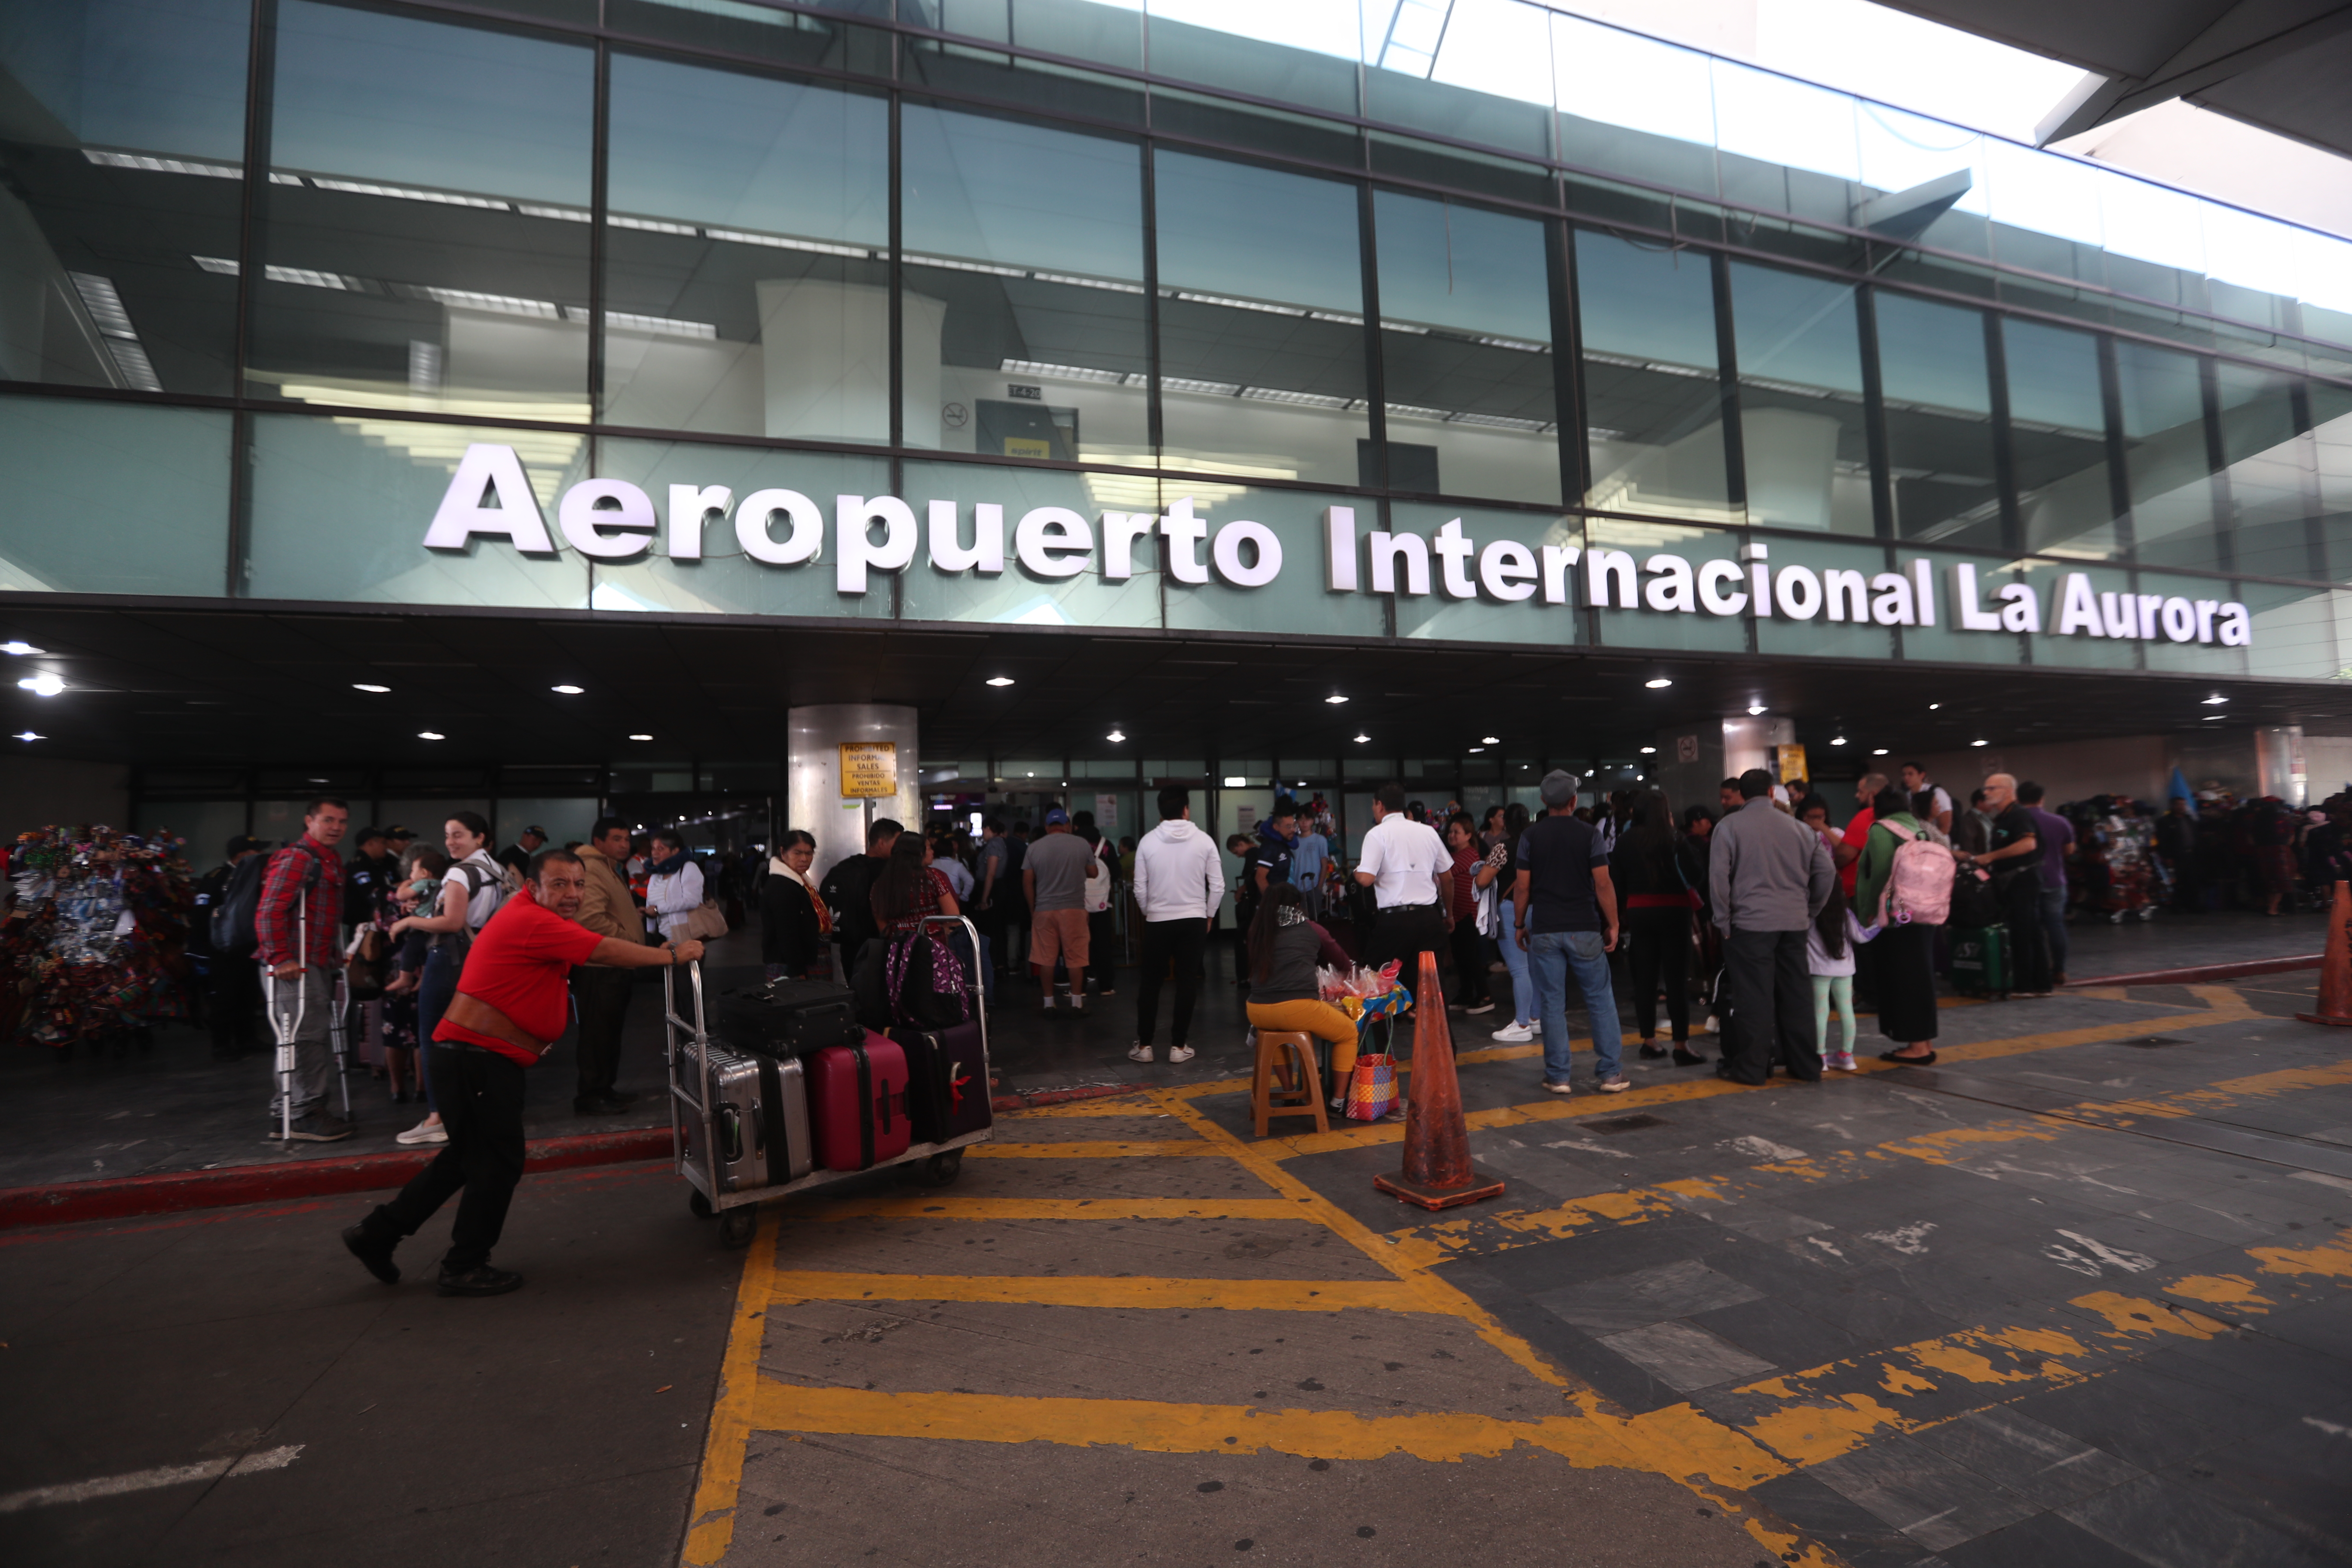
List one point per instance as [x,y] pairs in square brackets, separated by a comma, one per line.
[431,735]
[2211,718]
[1933,706]
[1490,740]
[1978,742]
[1234,780]
[18,649]
[1361,739]
[44,684]
[1334,699]
[29,735]
[567,691]
[641,737]
[1754,709]
[1478,749]
[1879,752]
[1658,684]
[2214,701]
[999,680]
[369,685]
[1116,736]
[1649,751]
[1837,740]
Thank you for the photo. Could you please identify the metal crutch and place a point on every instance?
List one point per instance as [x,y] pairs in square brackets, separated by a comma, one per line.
[288,1032]
[339,1033]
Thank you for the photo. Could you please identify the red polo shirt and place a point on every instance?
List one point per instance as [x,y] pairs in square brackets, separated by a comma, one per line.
[1856,833]
[518,963]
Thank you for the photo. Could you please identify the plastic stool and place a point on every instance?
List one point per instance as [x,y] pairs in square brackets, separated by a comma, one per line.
[1289,1055]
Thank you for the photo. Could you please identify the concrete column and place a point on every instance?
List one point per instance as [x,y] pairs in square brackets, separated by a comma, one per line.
[2279,765]
[813,774]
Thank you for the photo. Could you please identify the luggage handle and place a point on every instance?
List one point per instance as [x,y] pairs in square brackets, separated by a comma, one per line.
[973,989]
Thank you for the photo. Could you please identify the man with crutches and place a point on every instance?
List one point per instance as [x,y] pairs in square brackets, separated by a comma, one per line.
[298,922]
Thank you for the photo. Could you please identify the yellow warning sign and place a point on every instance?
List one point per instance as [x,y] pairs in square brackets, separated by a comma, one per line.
[1792,759]
[869,769]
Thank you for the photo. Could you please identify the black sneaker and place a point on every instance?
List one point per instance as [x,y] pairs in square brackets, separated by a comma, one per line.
[318,1127]
[483,1280]
[377,1255]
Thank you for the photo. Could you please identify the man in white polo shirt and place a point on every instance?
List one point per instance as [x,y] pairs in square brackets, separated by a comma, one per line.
[1405,864]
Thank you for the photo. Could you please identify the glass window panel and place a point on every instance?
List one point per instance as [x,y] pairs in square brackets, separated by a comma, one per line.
[1081,29]
[1261,322]
[1017,596]
[121,165]
[1635,106]
[2077,650]
[1235,124]
[2299,634]
[2331,419]
[2165,457]
[1807,456]
[424,231]
[746,291]
[2189,658]
[1302,52]
[2272,477]
[1466,346]
[1022,79]
[386,478]
[1646,627]
[1938,400]
[1484,77]
[745,27]
[1948,641]
[724,581]
[1297,596]
[1528,622]
[1025,330]
[113,498]
[1458,170]
[1819,633]
[1653,388]
[1777,120]
[2058,440]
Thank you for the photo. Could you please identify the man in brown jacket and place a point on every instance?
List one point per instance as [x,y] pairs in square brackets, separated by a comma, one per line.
[601,991]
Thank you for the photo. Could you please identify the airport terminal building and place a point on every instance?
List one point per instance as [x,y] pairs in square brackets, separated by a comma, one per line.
[1314,392]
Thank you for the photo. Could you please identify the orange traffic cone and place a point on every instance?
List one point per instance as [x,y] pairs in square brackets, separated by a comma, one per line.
[2335,968]
[1437,1172]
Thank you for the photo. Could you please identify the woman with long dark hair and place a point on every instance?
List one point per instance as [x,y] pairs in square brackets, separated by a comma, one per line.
[1285,947]
[794,926]
[1501,871]
[471,891]
[1903,957]
[1469,960]
[909,888]
[1651,869]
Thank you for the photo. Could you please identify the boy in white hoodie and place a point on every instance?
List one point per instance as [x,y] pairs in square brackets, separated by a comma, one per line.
[1179,883]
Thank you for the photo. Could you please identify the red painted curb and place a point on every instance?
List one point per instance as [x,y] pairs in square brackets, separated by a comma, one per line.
[2201,972]
[173,1191]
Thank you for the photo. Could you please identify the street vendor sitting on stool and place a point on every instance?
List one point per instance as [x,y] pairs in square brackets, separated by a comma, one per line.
[511,1003]
[1284,948]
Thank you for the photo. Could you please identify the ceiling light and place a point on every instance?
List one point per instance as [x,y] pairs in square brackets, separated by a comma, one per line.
[1649,751]
[1837,740]
[1659,684]
[1116,736]
[567,691]
[2209,702]
[44,684]
[431,735]
[1879,752]
[2211,718]
[1978,742]
[999,680]
[1754,709]
[29,735]
[1478,749]
[18,649]
[1234,780]
[369,685]
[1334,699]
[1361,739]
[641,737]
[1490,740]
[1933,706]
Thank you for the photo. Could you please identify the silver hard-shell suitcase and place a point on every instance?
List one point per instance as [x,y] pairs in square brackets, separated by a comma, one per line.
[759,1120]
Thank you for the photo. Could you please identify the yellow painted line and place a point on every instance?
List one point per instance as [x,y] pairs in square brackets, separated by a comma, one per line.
[936,1206]
[1108,1105]
[710,1528]
[1102,1290]
[1078,1150]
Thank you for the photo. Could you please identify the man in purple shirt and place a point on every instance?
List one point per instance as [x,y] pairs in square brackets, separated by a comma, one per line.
[2057,837]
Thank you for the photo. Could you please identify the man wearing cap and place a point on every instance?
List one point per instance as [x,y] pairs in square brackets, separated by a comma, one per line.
[1770,876]
[368,877]
[1054,878]
[1564,876]
[517,856]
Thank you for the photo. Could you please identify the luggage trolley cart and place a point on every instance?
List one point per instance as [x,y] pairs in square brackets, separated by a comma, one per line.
[696,1133]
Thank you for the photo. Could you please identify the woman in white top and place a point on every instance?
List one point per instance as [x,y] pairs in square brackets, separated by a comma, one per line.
[471,891]
[674,888]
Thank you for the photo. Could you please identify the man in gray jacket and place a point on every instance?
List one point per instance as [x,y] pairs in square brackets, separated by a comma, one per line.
[1770,875]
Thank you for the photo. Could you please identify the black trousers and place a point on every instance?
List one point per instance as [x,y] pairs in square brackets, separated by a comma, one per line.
[1771,1006]
[603,997]
[1184,942]
[1659,944]
[1405,932]
[1469,963]
[1102,952]
[481,1096]
[2029,938]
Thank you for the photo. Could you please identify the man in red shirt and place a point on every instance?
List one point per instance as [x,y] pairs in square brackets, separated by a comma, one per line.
[1848,856]
[511,1003]
[302,896]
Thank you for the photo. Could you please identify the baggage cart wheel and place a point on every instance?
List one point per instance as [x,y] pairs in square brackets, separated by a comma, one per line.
[698,1204]
[942,1168]
[736,1227]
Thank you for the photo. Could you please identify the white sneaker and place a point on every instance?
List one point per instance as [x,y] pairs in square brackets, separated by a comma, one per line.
[1710,1026]
[1516,1033]
[1139,1052]
[425,1131]
[1182,1053]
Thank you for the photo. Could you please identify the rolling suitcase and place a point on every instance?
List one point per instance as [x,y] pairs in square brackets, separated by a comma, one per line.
[947,1081]
[1981,960]
[857,1103]
[789,1017]
[759,1120]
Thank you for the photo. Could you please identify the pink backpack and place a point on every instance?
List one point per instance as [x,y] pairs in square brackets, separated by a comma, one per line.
[1920,885]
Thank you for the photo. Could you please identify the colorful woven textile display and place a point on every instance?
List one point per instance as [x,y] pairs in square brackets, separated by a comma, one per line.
[96,939]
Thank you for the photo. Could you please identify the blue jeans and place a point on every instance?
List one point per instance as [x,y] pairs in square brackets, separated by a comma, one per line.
[2054,921]
[435,988]
[1514,959]
[1554,955]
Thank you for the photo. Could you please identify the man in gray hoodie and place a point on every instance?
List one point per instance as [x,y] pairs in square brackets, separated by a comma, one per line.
[1770,876]
[1179,883]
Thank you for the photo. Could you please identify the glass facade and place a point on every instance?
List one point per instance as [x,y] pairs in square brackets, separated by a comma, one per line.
[1583,290]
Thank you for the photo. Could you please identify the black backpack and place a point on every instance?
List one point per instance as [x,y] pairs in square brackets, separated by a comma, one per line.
[233,932]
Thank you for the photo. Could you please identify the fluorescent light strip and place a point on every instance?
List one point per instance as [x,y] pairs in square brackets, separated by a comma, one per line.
[952,264]
[132,362]
[1231,303]
[504,304]
[1205,388]
[569,215]
[668,326]
[220,264]
[785,242]
[408,193]
[104,305]
[307,277]
[1062,372]
[1519,343]
[1498,421]
[1407,411]
[650,225]
[1074,281]
[1341,316]
[163,166]
[1307,399]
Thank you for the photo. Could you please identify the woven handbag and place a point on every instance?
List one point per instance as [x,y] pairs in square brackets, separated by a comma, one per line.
[1372,1088]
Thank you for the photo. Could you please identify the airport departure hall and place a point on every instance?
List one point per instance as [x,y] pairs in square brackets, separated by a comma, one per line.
[1438,388]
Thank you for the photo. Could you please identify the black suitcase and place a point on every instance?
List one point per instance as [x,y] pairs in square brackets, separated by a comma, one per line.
[788,1018]
[947,1081]
[758,1118]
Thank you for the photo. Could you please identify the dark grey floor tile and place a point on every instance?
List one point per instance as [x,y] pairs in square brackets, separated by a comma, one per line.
[2289,1378]
[1858,1536]
[1687,1357]
[1879,1319]
[1620,1301]
[1786,1333]
[2296,1478]
[1930,1497]
[1623,1382]
[1986,1285]
[2044,1540]
[1597,1254]
[2164,1525]
[2140,1416]
[2323,1326]
[2044,1465]
[2235,1225]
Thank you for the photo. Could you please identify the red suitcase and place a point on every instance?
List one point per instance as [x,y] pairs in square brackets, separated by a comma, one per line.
[857,1103]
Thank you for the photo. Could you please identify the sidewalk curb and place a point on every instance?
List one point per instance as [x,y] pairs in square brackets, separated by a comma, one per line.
[2198,974]
[171,1192]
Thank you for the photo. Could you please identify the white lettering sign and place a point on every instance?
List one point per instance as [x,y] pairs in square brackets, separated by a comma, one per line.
[490,498]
